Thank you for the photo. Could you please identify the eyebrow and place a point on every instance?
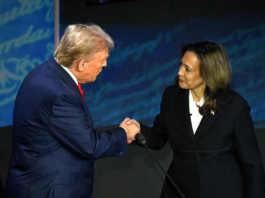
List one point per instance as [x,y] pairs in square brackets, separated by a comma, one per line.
[105,58]
[186,66]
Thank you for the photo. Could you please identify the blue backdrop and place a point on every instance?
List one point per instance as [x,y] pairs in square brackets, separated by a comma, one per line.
[145,59]
[26,40]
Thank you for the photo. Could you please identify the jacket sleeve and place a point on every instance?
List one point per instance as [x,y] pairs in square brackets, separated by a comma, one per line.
[157,135]
[71,125]
[249,152]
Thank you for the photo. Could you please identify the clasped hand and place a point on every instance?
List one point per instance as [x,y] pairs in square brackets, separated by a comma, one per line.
[132,127]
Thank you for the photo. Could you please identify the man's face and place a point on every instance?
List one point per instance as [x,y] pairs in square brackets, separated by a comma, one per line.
[93,67]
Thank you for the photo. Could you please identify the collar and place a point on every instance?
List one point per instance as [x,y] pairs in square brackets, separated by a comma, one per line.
[68,71]
[200,103]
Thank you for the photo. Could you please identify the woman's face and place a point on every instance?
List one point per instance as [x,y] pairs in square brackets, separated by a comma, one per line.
[189,73]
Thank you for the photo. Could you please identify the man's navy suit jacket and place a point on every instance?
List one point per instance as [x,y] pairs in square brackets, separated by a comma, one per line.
[55,145]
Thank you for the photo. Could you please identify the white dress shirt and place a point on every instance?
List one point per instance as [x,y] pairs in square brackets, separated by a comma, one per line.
[194,111]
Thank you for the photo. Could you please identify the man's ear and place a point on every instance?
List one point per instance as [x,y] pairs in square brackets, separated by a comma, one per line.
[81,65]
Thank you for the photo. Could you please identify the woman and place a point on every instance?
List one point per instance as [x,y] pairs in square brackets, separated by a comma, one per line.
[209,128]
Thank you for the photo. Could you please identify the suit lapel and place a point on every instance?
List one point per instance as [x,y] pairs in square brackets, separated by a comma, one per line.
[182,107]
[65,76]
[69,81]
[207,120]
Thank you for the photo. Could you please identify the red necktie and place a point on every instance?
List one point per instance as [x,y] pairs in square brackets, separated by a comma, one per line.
[81,91]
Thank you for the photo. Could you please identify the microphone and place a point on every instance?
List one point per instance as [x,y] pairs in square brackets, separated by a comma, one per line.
[140,139]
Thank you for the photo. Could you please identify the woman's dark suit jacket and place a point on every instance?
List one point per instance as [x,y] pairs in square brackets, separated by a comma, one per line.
[222,159]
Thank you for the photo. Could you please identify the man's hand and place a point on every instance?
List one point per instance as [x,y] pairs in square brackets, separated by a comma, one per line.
[130,128]
[133,121]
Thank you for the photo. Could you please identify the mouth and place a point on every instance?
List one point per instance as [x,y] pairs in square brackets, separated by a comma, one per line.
[181,80]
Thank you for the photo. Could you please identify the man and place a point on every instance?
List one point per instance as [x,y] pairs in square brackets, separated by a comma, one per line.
[55,145]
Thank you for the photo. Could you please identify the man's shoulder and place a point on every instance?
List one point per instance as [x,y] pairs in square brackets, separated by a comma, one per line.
[41,69]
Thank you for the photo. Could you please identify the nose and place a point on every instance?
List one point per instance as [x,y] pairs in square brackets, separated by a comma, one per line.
[180,73]
[104,63]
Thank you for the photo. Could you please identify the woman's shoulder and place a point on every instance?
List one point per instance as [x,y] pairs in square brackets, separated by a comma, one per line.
[175,89]
[236,99]
[173,92]
[239,99]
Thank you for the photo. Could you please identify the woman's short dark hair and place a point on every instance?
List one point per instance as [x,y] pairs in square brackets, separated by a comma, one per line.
[216,71]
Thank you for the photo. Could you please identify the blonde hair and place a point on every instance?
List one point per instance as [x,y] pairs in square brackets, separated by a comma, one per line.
[81,42]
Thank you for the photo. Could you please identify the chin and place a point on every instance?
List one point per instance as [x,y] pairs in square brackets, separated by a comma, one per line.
[182,87]
[93,80]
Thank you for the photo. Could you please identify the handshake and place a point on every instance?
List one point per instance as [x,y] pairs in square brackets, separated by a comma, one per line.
[132,127]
